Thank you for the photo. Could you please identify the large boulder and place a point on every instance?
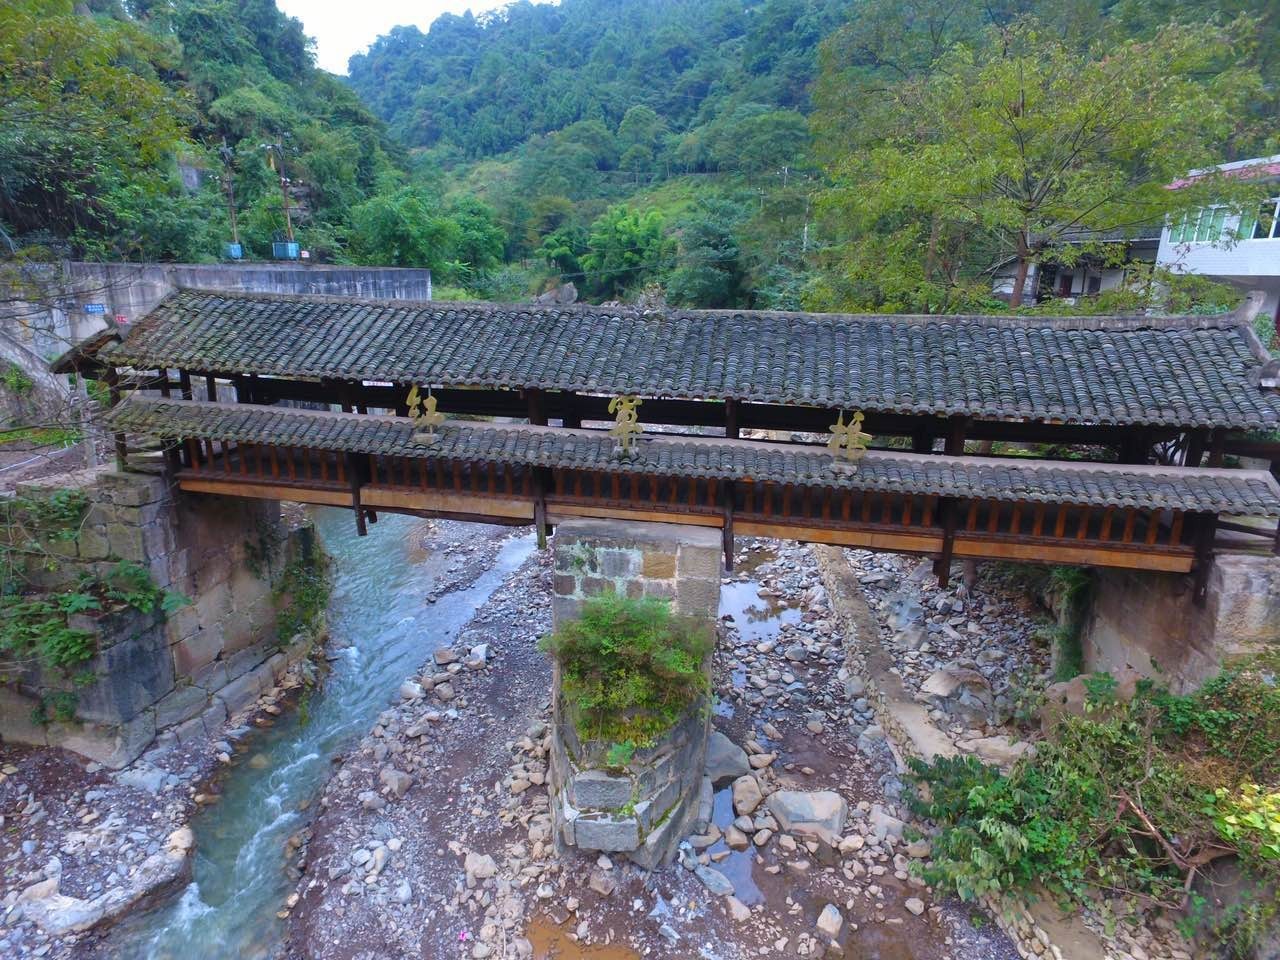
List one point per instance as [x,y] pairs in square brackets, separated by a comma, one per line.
[746,795]
[820,814]
[725,759]
[961,692]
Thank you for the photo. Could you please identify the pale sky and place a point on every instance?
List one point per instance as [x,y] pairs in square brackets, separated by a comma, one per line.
[344,27]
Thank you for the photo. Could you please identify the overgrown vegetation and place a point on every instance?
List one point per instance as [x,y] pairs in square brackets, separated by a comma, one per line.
[302,594]
[629,669]
[1132,800]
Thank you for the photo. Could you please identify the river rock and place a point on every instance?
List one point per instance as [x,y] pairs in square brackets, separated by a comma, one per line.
[915,905]
[714,880]
[746,795]
[477,657]
[444,656]
[960,692]
[820,814]
[479,866]
[725,759]
[444,691]
[830,921]
[883,824]
[397,781]
[737,909]
[411,690]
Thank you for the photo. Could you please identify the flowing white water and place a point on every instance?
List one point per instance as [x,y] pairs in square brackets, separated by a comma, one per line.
[378,607]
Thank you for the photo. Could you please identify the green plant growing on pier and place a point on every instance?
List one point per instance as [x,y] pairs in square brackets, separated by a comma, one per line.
[629,669]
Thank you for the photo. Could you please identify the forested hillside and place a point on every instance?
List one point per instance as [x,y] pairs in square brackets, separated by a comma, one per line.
[868,155]
[125,130]
[624,143]
[478,87]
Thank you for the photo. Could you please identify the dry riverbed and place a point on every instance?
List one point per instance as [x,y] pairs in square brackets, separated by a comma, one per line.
[433,837]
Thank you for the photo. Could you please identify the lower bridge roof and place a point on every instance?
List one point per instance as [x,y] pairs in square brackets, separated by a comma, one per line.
[1251,492]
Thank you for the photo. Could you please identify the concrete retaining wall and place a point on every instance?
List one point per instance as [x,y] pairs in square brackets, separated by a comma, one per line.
[1146,623]
[127,291]
[644,807]
[192,668]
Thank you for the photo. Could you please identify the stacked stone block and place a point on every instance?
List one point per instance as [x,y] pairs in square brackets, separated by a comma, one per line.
[186,672]
[644,807]
[672,561]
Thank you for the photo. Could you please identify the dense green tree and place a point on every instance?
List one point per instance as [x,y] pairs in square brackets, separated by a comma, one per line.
[625,248]
[709,268]
[404,229]
[88,131]
[479,242]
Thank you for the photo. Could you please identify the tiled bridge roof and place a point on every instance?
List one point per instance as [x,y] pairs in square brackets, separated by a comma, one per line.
[1184,372]
[1191,489]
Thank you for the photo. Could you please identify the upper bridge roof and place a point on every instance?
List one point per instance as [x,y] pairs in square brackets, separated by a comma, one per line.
[1184,372]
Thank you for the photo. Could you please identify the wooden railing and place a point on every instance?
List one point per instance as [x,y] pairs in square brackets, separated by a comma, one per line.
[516,493]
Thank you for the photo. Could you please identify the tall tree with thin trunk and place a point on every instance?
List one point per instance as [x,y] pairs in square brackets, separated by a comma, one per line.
[1018,144]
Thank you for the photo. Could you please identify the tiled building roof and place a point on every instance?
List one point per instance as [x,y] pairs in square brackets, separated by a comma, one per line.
[1216,491]
[1185,372]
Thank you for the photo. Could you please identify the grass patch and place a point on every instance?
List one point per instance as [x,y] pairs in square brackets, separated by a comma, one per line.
[41,436]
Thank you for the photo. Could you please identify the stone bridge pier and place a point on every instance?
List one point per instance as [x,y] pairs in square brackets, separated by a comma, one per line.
[645,808]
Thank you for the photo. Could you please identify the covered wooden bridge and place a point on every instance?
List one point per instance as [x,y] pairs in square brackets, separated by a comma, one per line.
[308,399]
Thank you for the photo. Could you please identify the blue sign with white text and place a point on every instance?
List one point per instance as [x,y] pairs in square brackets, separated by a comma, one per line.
[95,308]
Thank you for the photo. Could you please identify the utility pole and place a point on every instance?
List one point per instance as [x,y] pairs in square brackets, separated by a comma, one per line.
[229,184]
[275,150]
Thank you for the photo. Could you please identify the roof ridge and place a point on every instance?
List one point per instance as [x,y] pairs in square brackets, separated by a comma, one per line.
[1084,322]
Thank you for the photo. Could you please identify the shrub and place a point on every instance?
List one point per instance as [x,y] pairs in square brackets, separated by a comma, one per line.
[1132,799]
[629,668]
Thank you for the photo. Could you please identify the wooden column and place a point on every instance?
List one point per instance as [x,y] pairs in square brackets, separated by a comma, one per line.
[537,407]
[184,381]
[541,481]
[956,429]
[354,473]
[942,566]
[1206,531]
[1195,448]
[922,441]
[570,416]
[164,382]
[727,498]
[1216,447]
[112,376]
[731,420]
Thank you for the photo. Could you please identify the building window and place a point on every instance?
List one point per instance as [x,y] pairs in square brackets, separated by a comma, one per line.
[1261,224]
